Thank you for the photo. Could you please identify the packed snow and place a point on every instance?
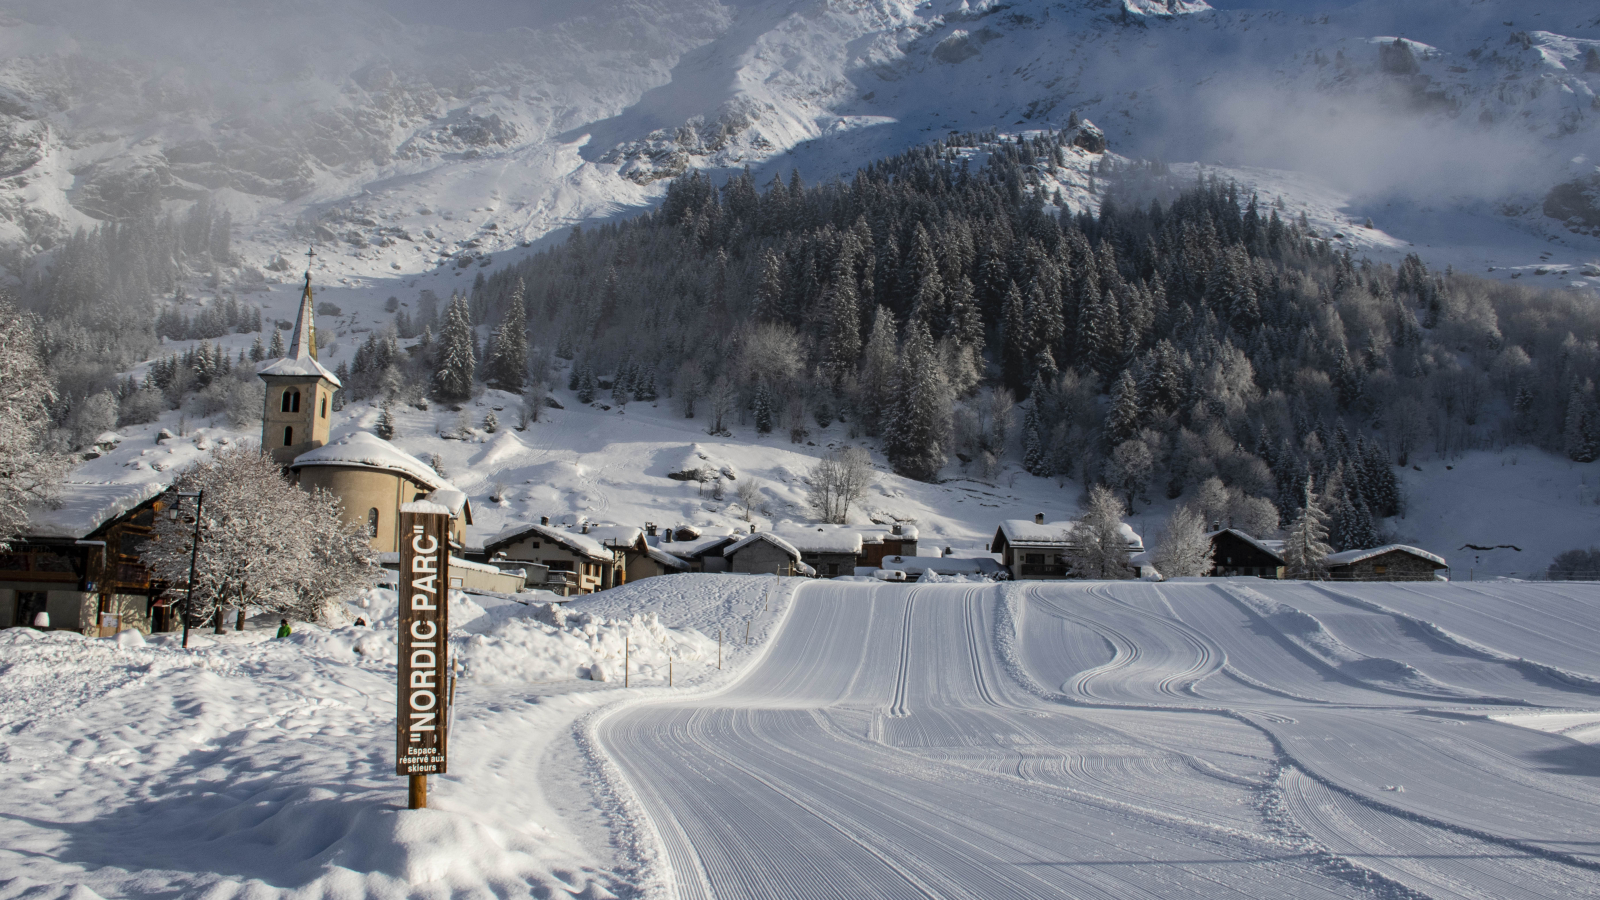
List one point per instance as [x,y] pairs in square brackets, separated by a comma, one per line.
[1214,738]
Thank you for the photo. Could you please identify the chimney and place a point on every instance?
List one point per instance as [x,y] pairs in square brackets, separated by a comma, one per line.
[544,520]
[584,529]
[948,551]
[896,529]
[752,528]
[650,529]
[1038,518]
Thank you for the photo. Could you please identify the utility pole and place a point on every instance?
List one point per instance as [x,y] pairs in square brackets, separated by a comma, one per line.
[194,557]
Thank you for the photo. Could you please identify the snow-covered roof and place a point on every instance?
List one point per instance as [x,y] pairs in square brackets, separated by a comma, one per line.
[582,544]
[1271,548]
[664,558]
[767,536]
[297,367]
[823,539]
[391,558]
[1348,557]
[700,546]
[886,533]
[83,507]
[366,450]
[616,535]
[452,499]
[1056,534]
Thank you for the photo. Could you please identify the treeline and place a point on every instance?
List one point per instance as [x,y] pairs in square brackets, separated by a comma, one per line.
[1213,339]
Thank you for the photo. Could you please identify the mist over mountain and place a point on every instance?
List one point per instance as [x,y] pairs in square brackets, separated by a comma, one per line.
[495,122]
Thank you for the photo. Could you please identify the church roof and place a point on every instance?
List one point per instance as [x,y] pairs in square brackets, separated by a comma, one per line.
[363,449]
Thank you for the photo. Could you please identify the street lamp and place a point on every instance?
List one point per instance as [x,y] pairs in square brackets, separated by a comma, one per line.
[194,555]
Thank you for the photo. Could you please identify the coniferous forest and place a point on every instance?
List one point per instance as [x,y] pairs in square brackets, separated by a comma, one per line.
[1188,341]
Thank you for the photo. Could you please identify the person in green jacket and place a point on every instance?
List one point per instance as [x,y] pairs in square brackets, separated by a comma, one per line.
[283,628]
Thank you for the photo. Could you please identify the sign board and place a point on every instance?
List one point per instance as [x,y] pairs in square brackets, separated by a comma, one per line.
[424,664]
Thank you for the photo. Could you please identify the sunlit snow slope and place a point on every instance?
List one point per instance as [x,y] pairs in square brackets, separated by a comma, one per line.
[1130,740]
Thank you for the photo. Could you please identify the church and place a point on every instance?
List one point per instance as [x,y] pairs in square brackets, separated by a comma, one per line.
[371,477]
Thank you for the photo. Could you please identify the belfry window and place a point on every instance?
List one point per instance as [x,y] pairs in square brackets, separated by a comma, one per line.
[288,435]
[372,522]
[324,406]
[291,401]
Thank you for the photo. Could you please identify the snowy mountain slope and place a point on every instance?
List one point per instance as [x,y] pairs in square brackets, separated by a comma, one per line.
[414,137]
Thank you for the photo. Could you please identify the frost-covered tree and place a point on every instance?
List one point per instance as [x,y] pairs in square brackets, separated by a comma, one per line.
[457,360]
[29,472]
[839,479]
[1582,433]
[1130,468]
[275,350]
[1096,547]
[749,494]
[1185,548]
[385,426]
[877,371]
[761,408]
[916,436]
[264,543]
[721,400]
[507,362]
[1306,549]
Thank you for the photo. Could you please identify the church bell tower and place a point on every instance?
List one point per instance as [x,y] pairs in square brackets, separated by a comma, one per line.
[299,391]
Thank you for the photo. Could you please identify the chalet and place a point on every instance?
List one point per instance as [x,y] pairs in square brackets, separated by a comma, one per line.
[899,540]
[641,553]
[1235,553]
[702,553]
[1038,549]
[591,565]
[765,553]
[373,478]
[830,549]
[917,568]
[1391,562]
[79,563]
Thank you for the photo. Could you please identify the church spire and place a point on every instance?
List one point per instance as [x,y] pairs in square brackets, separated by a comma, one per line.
[305,327]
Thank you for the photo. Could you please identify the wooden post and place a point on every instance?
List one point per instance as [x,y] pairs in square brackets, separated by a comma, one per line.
[719,648]
[425,688]
[627,653]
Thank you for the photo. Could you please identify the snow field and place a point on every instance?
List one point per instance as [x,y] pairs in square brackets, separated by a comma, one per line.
[1233,738]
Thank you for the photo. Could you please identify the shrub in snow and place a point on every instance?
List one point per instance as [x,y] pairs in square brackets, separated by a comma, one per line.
[263,542]
[839,479]
[1574,565]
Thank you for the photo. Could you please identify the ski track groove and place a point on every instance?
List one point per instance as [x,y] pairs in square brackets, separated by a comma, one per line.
[802,778]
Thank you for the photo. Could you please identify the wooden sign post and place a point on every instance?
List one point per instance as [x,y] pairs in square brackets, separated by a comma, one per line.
[422,741]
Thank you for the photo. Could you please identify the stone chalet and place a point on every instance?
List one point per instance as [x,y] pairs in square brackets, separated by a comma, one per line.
[1391,562]
[590,565]
[640,548]
[765,553]
[1037,549]
[841,549]
[1235,553]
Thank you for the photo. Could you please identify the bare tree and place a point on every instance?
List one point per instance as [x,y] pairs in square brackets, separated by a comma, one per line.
[749,495]
[839,479]
[263,542]
[721,399]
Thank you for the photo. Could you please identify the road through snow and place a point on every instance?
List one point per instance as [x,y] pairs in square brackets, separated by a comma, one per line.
[1125,740]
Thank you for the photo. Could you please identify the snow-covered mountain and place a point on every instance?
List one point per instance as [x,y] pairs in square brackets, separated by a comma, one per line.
[403,136]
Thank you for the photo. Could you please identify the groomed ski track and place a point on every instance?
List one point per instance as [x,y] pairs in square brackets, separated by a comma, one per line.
[1119,740]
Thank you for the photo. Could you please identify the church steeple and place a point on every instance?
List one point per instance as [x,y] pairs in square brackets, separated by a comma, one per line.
[305,326]
[299,389]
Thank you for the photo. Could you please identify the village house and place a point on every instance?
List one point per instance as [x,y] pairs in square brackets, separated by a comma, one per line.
[79,563]
[1391,562]
[1037,549]
[916,568]
[702,553]
[591,565]
[1235,553]
[830,549]
[765,553]
[639,550]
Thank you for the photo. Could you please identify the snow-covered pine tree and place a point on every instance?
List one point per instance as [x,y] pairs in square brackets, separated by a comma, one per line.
[1016,342]
[507,365]
[456,362]
[29,472]
[1582,433]
[275,348]
[768,299]
[1306,548]
[385,426]
[1122,419]
[1185,548]
[586,385]
[916,434]
[1096,546]
[878,363]
[257,352]
[762,408]
[491,423]
[645,390]
[841,341]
